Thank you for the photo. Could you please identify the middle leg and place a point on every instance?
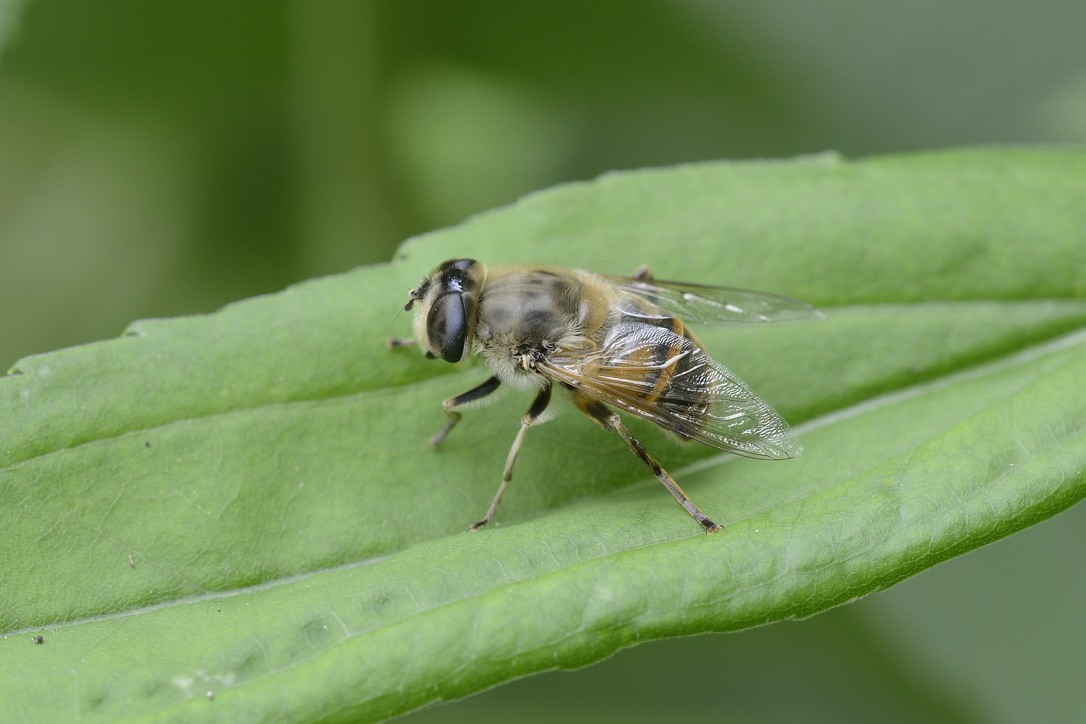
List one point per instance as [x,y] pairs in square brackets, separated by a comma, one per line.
[539,405]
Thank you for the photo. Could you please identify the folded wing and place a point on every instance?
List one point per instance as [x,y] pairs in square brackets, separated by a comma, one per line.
[657,373]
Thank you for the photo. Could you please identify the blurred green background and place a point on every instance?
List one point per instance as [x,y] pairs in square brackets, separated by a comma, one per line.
[166,158]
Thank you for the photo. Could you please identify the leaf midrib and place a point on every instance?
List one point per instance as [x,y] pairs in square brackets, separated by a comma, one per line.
[448,370]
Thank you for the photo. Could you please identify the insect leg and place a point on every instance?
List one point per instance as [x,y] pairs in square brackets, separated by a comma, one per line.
[611,421]
[450,405]
[642,274]
[530,417]
[397,342]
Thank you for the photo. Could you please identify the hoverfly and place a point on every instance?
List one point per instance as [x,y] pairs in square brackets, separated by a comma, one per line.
[611,343]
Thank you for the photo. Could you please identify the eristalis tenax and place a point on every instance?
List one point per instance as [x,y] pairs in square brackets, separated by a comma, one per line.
[611,343]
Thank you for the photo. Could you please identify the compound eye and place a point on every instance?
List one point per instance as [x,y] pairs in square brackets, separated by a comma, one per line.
[447,325]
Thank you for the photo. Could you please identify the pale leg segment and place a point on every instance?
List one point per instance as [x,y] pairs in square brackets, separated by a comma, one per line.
[539,405]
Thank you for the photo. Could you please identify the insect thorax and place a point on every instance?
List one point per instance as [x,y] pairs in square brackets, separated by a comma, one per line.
[536,309]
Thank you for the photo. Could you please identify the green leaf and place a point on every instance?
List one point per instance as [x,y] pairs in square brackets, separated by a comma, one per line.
[236,516]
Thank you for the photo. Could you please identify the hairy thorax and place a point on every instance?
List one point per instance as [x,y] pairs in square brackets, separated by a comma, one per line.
[535,310]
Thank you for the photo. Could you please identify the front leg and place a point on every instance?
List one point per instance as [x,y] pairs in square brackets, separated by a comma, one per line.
[450,405]
[398,342]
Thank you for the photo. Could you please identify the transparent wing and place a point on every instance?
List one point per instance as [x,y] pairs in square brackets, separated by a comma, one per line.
[658,374]
[717,305]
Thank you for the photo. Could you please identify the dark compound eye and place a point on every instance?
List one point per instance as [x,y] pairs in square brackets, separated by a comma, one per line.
[447,325]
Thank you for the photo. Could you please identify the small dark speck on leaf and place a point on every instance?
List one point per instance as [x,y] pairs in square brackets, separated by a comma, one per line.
[39,639]
[147,443]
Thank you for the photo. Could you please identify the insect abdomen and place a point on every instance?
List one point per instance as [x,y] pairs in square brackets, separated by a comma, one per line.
[675,355]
